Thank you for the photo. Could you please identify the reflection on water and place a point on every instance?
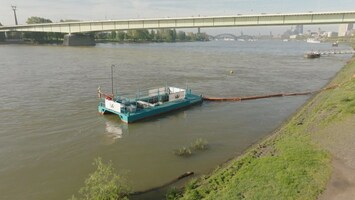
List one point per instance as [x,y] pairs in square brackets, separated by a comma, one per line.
[50,127]
[113,130]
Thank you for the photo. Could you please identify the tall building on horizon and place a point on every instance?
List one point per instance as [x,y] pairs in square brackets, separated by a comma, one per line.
[299,29]
[344,29]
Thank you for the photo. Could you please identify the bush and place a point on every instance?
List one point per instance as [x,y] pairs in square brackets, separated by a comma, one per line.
[104,184]
[183,151]
[199,144]
[173,194]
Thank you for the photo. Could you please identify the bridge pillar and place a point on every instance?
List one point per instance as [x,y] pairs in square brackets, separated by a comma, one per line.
[78,40]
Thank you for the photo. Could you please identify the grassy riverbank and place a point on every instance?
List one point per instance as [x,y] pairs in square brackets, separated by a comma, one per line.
[290,163]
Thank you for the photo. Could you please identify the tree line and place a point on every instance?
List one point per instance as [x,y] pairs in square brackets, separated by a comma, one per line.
[141,35]
[144,35]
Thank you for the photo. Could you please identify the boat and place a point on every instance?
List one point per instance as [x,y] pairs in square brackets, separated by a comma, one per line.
[148,103]
[312,40]
[312,54]
[335,44]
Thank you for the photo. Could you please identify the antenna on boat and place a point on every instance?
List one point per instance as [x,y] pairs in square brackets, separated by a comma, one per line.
[112,79]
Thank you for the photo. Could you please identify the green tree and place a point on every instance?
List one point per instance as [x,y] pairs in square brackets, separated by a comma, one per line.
[37,20]
[158,36]
[104,184]
[181,36]
[38,36]
[190,36]
[168,35]
[152,35]
[174,35]
[138,35]
[102,35]
[121,35]
[129,35]
[2,35]
[113,35]
[201,37]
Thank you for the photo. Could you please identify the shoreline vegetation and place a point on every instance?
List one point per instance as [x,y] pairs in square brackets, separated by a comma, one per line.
[291,163]
[129,36]
[134,36]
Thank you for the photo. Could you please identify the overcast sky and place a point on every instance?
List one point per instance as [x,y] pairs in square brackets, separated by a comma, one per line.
[128,9]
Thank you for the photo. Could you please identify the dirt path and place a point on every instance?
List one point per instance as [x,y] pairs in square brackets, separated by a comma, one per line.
[339,139]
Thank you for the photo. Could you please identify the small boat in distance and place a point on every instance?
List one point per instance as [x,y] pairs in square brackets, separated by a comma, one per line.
[313,40]
[335,44]
[312,54]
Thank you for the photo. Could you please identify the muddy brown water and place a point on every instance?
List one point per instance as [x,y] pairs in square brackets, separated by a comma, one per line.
[51,132]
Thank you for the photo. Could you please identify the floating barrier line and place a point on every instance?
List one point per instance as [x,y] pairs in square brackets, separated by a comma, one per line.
[184,175]
[208,98]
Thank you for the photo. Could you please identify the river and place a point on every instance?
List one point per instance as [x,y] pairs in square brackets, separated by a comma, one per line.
[51,131]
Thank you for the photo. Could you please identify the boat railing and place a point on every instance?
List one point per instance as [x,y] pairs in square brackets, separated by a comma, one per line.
[142,94]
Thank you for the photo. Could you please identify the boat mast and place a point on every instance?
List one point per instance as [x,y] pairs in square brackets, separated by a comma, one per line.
[112,80]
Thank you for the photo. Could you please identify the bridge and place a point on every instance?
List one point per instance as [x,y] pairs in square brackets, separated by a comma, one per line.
[224,36]
[189,22]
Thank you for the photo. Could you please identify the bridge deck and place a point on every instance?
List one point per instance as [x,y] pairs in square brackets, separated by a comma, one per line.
[190,22]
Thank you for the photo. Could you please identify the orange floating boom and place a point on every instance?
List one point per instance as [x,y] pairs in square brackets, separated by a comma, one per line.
[207,98]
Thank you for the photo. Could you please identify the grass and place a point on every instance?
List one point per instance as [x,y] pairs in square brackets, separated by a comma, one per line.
[288,164]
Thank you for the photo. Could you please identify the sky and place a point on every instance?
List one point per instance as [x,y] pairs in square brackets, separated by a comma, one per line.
[133,9]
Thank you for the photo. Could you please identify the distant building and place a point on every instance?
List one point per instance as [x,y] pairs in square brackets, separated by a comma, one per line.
[331,34]
[299,29]
[345,29]
[314,34]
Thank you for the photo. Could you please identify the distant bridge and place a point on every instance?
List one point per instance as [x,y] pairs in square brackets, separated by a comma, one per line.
[230,36]
[189,22]
[225,35]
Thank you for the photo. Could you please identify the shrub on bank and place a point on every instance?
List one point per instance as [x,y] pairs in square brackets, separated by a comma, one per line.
[104,184]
